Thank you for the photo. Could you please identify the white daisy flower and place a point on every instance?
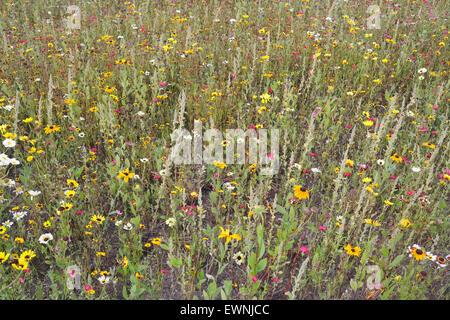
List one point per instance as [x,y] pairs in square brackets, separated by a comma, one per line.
[415,169]
[46,237]
[34,193]
[14,161]
[128,226]
[9,143]
[238,258]
[7,223]
[19,215]
[171,222]
[103,279]
[422,70]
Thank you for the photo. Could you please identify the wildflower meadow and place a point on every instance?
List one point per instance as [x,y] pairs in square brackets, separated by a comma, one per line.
[214,149]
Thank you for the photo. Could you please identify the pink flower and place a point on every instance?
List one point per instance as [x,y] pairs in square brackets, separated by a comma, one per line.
[164,271]
[323,228]
[254,279]
[21,280]
[79,212]
[276,280]
[304,250]
[87,288]
[128,143]
[157,176]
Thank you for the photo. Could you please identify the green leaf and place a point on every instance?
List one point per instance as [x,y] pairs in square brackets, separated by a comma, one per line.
[176,262]
[281,209]
[124,292]
[385,252]
[252,260]
[396,261]
[261,265]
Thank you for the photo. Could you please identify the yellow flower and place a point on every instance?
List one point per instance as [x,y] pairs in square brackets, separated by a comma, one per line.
[226,234]
[429,145]
[352,251]
[125,174]
[395,157]
[20,264]
[219,164]
[97,218]
[368,123]
[388,203]
[70,193]
[51,128]
[301,192]
[27,255]
[405,223]
[156,241]
[349,163]
[372,222]
[417,253]
[3,256]
[124,262]
[72,183]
